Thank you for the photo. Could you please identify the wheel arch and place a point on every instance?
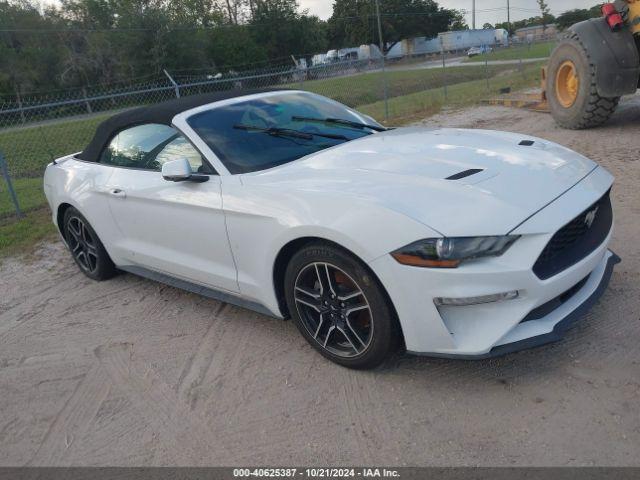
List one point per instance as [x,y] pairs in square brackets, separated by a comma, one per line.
[287,251]
[614,54]
[62,208]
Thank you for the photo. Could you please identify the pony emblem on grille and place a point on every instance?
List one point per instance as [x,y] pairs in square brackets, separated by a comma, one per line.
[591,217]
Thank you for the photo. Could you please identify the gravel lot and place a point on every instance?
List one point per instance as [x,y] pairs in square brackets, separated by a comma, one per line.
[131,372]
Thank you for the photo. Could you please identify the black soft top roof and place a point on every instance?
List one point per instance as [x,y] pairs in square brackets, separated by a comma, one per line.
[161,113]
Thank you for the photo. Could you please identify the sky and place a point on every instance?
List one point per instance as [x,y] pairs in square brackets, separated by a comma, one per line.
[519,8]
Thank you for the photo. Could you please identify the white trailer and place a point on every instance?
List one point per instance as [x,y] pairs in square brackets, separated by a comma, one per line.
[465,39]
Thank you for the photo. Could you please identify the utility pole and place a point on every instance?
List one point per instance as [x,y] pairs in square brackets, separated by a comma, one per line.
[384,73]
[473,16]
[508,24]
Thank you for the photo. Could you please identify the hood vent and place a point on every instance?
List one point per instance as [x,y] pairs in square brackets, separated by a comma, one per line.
[526,143]
[464,174]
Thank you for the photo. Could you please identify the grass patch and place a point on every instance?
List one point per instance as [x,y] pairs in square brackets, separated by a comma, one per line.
[28,150]
[30,195]
[20,236]
[418,105]
[366,88]
[534,50]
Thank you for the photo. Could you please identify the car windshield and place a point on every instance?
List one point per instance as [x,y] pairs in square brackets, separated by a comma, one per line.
[272,130]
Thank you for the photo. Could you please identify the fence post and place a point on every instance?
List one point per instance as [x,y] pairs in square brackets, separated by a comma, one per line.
[384,70]
[385,89]
[19,98]
[173,82]
[86,101]
[299,70]
[5,174]
[444,74]
[486,70]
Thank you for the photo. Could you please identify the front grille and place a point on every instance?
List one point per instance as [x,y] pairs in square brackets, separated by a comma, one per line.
[576,240]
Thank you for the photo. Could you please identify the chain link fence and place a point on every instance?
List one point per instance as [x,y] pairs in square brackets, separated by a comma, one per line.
[37,128]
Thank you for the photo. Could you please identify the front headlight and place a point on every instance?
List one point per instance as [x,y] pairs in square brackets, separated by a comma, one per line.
[450,252]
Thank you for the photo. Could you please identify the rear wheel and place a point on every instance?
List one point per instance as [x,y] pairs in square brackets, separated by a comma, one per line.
[571,88]
[86,248]
[339,307]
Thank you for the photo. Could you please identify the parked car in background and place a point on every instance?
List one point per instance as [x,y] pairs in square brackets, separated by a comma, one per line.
[474,51]
[450,242]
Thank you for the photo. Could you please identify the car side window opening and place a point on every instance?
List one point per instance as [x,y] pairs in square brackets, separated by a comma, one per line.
[150,146]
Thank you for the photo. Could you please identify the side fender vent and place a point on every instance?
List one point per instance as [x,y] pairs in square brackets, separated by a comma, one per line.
[464,174]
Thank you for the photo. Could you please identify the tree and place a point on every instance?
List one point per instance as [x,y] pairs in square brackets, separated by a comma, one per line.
[457,20]
[354,22]
[28,60]
[570,17]
[545,13]
[233,47]
[487,26]
[282,30]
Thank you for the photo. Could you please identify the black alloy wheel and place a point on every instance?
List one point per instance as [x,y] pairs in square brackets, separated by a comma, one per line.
[333,309]
[340,307]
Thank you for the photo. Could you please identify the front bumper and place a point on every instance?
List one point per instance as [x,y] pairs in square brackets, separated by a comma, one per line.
[598,281]
[491,329]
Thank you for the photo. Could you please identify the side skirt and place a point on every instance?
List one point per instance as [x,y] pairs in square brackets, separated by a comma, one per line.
[219,295]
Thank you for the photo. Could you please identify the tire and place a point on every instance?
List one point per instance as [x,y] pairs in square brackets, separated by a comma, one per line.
[357,330]
[589,109]
[86,248]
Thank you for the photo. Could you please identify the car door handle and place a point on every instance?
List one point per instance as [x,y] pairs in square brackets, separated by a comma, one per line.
[117,192]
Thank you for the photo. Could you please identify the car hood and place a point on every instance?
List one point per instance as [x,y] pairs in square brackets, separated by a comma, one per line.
[409,169]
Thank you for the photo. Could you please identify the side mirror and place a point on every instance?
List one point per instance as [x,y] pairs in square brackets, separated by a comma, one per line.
[180,171]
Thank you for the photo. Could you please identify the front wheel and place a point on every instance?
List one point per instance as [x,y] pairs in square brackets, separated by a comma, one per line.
[571,87]
[340,307]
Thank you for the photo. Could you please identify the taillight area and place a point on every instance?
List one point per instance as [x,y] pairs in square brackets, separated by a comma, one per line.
[614,19]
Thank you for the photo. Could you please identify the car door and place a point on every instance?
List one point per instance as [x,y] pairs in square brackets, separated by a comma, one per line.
[174,228]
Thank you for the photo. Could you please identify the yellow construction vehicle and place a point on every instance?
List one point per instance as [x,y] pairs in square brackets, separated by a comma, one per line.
[595,63]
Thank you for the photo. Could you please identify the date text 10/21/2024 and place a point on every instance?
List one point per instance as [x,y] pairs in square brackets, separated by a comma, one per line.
[316,472]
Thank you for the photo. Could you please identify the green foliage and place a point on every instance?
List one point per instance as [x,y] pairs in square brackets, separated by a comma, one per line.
[571,17]
[527,22]
[99,42]
[354,22]
[278,26]
[457,20]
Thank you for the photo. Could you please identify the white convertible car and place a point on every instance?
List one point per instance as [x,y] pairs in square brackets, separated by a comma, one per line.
[448,242]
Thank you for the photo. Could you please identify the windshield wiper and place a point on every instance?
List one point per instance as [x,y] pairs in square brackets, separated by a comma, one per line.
[287,132]
[340,121]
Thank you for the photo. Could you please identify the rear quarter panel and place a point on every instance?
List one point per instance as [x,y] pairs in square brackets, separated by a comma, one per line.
[82,185]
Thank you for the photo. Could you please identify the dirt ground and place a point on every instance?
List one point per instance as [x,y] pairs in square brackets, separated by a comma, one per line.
[131,372]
